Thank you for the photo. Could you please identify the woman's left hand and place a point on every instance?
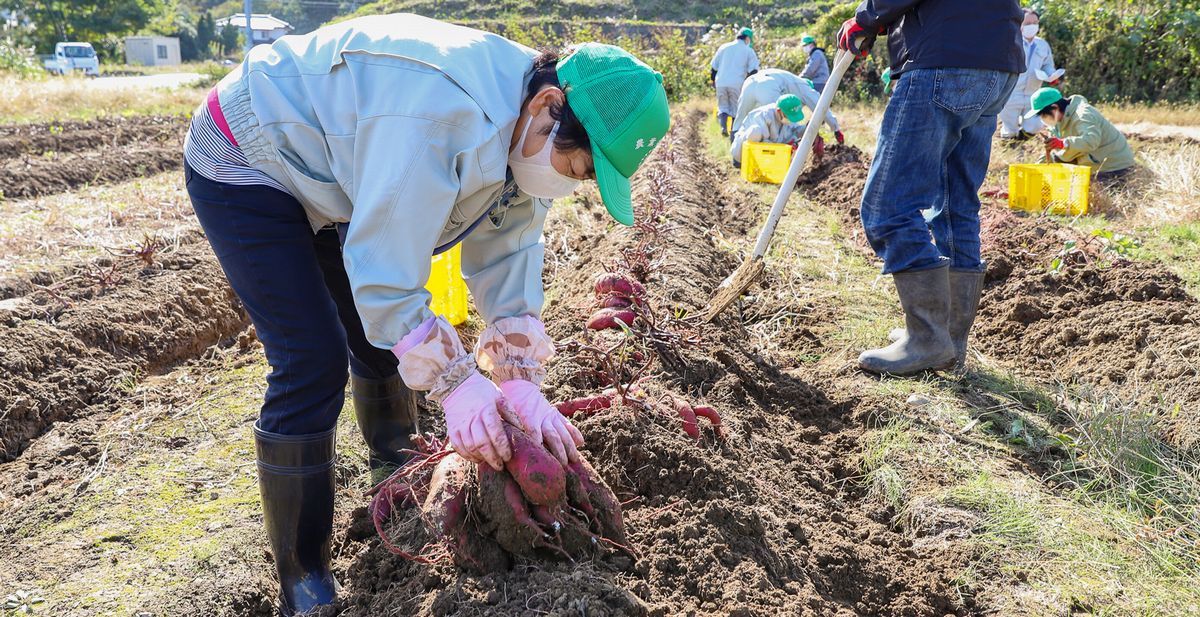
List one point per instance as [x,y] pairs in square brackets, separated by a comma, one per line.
[542,421]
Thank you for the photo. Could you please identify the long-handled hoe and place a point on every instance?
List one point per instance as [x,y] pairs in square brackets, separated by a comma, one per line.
[733,287]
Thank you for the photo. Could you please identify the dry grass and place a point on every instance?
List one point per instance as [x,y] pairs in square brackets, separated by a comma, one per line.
[74,98]
[1186,114]
[48,232]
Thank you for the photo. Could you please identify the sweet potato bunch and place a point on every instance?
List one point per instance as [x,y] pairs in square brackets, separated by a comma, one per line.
[535,507]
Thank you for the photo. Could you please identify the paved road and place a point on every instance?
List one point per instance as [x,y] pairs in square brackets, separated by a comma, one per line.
[162,80]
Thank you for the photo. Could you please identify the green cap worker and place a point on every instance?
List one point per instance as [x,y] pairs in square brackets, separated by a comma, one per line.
[326,172]
[731,65]
[1081,134]
[766,86]
[817,67]
[776,123]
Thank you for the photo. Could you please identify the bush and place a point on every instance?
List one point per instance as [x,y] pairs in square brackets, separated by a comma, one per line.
[1117,51]
[18,61]
[1113,50]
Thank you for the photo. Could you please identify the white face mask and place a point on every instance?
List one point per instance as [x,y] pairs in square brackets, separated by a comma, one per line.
[1029,30]
[808,49]
[535,174]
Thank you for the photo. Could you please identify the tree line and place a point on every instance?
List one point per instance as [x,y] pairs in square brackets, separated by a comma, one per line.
[39,24]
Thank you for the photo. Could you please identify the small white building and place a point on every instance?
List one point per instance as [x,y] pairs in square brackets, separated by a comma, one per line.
[263,28]
[152,50]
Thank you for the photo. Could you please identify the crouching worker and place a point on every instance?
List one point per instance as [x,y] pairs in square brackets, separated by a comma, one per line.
[777,123]
[1081,135]
[768,85]
[416,135]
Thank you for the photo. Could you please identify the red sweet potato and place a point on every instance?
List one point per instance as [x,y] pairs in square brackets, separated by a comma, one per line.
[686,412]
[603,507]
[584,406]
[713,417]
[608,282]
[541,477]
[613,300]
[445,513]
[606,318]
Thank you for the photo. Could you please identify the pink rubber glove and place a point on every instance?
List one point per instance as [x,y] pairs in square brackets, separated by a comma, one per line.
[473,422]
[542,421]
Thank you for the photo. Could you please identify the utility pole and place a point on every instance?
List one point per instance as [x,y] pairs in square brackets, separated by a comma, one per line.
[249,9]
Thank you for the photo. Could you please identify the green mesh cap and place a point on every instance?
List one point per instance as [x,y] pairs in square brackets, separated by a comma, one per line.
[792,107]
[1042,99]
[747,32]
[808,40]
[623,107]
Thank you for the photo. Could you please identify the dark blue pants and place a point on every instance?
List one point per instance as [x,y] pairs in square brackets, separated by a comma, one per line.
[294,286]
[934,146]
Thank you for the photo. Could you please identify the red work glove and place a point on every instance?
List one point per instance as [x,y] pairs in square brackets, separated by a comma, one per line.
[794,144]
[854,38]
[1056,143]
[819,147]
[841,139]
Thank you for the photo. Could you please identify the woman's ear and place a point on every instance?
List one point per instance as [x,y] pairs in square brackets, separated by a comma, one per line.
[546,97]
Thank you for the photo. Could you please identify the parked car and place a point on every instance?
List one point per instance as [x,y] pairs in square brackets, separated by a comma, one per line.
[72,57]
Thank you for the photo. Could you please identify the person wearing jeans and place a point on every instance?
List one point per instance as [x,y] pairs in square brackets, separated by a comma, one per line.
[329,168]
[954,65]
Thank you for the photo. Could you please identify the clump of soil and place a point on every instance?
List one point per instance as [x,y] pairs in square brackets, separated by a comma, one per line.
[766,522]
[42,159]
[71,344]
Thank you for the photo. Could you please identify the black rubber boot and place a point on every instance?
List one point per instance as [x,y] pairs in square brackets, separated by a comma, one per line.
[925,297]
[295,476]
[966,286]
[386,411]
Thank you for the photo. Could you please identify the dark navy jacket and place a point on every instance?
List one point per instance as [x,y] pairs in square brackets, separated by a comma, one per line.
[930,34]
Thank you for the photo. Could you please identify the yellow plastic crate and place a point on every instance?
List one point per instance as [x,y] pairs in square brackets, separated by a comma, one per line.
[765,162]
[1056,188]
[448,287]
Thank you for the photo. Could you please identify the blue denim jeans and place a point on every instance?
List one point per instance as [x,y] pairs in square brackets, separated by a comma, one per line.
[933,151]
[294,286]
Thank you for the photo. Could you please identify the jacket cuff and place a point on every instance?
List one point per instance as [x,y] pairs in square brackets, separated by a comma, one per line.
[515,348]
[433,358]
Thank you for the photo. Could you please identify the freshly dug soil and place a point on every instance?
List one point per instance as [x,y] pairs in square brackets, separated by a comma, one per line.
[1128,328]
[43,159]
[768,522]
[69,345]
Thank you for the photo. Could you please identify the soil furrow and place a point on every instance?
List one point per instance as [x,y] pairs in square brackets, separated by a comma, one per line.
[76,345]
[38,160]
[74,136]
